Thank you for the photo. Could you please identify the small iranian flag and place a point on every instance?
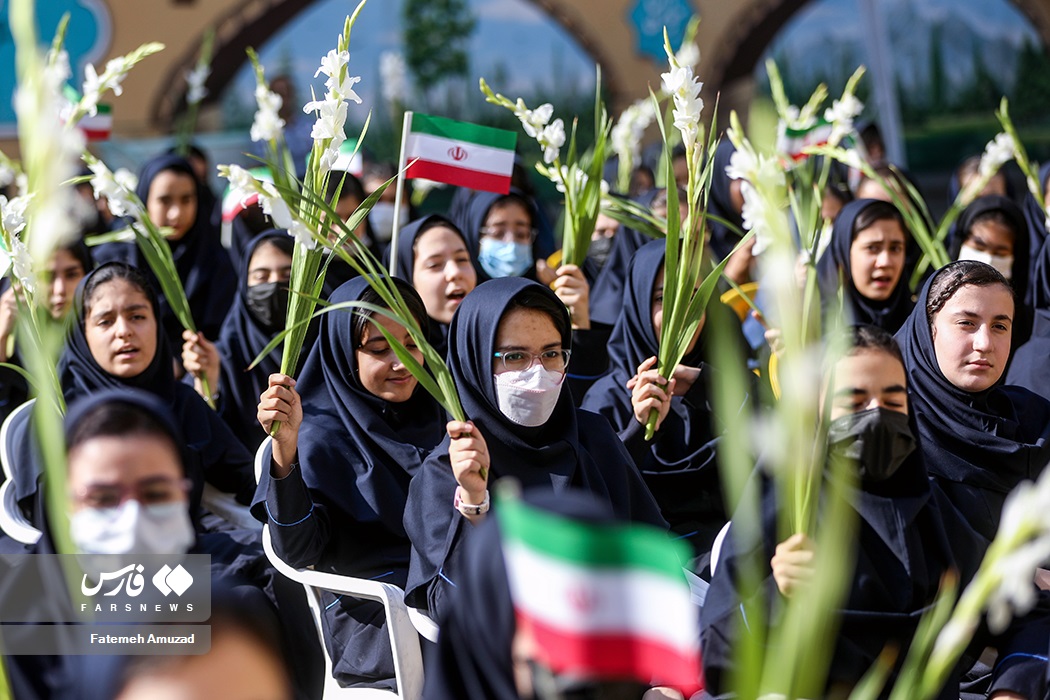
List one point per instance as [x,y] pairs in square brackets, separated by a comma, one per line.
[458,153]
[98,127]
[794,141]
[602,601]
[95,128]
[236,201]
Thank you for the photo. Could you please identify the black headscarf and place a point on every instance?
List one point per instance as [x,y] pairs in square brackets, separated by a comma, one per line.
[356,455]
[1030,365]
[572,449]
[204,266]
[437,332]
[901,551]
[471,661]
[679,465]
[989,203]
[213,452]
[473,219]
[977,445]
[888,314]
[80,373]
[606,293]
[350,434]
[720,203]
[242,338]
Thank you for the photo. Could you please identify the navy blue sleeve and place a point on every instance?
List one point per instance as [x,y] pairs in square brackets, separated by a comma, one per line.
[299,527]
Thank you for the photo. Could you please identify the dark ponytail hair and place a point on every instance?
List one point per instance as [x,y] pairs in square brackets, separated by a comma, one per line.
[953,276]
[370,296]
[116,271]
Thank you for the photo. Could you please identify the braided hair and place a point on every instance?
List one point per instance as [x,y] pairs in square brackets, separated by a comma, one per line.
[952,277]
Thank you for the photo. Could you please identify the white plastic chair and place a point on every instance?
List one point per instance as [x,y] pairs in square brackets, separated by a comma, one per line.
[716,546]
[12,521]
[404,624]
[226,507]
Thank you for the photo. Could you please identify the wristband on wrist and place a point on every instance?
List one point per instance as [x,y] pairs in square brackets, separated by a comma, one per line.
[470,508]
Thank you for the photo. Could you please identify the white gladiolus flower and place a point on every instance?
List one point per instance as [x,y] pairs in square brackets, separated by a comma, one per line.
[302,234]
[331,115]
[7,175]
[13,213]
[997,153]
[841,115]
[688,55]
[196,79]
[126,179]
[118,196]
[627,134]
[742,164]
[95,85]
[1016,592]
[552,138]
[394,76]
[533,121]
[240,179]
[332,64]
[57,70]
[277,209]
[22,265]
[685,89]
[267,125]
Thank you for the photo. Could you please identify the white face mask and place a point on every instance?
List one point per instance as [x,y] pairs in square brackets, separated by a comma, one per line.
[132,528]
[528,397]
[381,216]
[1003,263]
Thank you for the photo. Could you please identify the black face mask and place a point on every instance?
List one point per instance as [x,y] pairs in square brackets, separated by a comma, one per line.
[600,249]
[268,304]
[878,440]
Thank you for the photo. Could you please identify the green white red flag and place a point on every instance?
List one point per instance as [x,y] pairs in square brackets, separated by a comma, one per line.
[602,601]
[458,153]
[792,142]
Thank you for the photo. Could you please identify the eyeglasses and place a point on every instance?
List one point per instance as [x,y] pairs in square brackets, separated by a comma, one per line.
[512,235]
[149,492]
[518,360]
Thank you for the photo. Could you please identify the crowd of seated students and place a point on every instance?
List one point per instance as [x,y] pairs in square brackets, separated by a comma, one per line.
[939,406]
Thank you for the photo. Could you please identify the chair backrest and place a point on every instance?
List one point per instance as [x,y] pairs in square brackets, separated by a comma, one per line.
[404,639]
[12,520]
[716,546]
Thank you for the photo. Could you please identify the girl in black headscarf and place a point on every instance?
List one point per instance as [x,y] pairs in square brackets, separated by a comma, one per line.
[993,230]
[508,347]
[171,192]
[340,467]
[1030,364]
[115,341]
[500,231]
[901,546]
[679,465]
[433,255]
[258,313]
[866,257]
[606,293]
[978,436]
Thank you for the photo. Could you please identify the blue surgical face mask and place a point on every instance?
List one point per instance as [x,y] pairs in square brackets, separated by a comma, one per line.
[504,258]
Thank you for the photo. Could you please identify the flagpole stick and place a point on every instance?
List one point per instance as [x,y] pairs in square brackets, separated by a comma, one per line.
[405,130]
